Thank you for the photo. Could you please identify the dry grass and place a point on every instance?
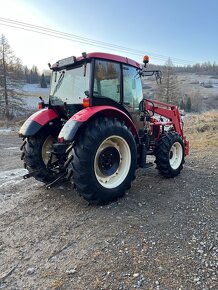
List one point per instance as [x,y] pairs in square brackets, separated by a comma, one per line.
[202,130]
[14,123]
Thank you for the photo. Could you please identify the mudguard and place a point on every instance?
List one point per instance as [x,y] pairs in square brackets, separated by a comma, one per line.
[36,121]
[70,129]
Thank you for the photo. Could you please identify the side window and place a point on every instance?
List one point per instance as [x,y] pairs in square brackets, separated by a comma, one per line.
[107,80]
[132,87]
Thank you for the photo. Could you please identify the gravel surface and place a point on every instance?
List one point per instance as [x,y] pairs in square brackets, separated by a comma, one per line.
[161,235]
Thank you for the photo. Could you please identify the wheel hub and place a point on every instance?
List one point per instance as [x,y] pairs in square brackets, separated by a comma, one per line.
[175,155]
[47,148]
[112,161]
[109,160]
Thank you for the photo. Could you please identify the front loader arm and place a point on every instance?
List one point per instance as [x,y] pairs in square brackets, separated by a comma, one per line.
[170,112]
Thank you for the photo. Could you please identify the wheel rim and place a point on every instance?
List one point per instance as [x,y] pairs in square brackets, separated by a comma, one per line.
[47,148]
[112,162]
[176,155]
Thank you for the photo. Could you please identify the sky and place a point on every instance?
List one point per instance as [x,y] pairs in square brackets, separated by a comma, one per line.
[184,30]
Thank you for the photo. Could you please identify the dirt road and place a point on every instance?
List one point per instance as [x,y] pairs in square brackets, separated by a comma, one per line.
[161,235]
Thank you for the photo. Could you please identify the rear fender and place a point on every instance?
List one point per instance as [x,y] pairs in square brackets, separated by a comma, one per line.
[71,128]
[36,121]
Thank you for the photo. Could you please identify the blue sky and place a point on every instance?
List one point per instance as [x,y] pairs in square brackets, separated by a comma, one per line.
[185,30]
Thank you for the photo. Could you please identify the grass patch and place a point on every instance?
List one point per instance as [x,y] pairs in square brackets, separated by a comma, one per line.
[202,130]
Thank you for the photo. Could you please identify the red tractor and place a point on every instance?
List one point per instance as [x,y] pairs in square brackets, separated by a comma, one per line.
[97,129]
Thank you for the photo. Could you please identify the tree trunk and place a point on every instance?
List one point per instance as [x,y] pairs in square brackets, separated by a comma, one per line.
[5,83]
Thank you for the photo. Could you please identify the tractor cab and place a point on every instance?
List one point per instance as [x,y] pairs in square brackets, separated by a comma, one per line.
[96,79]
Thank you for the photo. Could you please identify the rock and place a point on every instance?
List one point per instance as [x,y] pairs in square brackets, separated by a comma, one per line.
[30,271]
[135,275]
[200,251]
[71,271]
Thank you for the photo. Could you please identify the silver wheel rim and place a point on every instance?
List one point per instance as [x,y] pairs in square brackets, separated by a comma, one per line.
[119,145]
[176,155]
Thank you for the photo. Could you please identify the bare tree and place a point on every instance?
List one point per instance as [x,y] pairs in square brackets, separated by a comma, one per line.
[168,91]
[11,75]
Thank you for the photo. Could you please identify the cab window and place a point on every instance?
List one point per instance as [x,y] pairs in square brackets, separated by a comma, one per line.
[132,88]
[107,80]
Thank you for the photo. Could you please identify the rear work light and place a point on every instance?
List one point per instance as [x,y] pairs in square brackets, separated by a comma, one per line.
[61,140]
[41,105]
[86,102]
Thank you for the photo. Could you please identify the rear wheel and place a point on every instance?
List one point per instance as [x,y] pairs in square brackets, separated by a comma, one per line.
[104,160]
[170,154]
[36,154]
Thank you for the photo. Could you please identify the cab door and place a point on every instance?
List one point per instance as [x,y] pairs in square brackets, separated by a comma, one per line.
[132,93]
[107,76]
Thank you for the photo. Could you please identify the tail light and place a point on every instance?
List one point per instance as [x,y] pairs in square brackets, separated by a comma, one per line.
[61,140]
[41,105]
[86,102]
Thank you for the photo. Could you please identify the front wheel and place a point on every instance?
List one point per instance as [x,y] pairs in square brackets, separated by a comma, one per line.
[104,160]
[170,154]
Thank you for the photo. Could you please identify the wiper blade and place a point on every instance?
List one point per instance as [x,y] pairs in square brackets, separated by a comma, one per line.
[58,83]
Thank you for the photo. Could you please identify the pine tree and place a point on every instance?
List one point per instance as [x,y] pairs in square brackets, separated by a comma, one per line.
[11,74]
[32,75]
[168,91]
[182,104]
[43,83]
[27,74]
[188,105]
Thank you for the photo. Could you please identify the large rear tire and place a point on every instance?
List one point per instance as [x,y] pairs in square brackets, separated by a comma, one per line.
[170,154]
[36,154]
[104,160]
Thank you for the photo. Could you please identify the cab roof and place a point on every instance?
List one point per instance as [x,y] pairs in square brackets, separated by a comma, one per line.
[98,55]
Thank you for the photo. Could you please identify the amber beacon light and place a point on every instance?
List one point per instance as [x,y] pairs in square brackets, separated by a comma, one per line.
[146,59]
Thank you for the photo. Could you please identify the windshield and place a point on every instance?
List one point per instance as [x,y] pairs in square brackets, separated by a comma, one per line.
[69,86]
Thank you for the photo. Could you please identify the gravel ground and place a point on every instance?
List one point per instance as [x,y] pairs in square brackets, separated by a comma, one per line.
[161,235]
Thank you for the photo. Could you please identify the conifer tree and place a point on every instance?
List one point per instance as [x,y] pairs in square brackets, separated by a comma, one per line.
[168,91]
[11,75]
[43,83]
[188,105]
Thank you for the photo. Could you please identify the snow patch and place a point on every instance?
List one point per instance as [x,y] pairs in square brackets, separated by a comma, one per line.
[11,148]
[11,182]
[34,88]
[5,130]
[10,176]
[30,103]
[13,173]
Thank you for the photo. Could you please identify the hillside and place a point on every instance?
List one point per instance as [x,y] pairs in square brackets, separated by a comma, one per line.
[202,89]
